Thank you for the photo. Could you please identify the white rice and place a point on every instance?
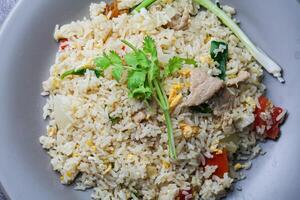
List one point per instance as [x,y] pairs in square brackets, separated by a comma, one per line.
[125,159]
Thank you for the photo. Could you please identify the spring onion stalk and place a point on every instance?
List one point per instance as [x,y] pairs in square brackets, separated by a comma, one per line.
[163,102]
[144,4]
[269,65]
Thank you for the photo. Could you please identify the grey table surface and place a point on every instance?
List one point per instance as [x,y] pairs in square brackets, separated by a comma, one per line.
[5,8]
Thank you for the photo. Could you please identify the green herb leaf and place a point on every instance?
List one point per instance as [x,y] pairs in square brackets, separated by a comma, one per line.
[102,62]
[174,64]
[142,59]
[117,72]
[131,59]
[141,93]
[219,53]
[114,120]
[153,72]
[80,71]
[190,61]
[150,48]
[203,108]
[114,58]
[136,79]
[98,73]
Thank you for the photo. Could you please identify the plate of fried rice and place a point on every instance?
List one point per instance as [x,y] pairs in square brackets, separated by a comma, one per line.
[156,100]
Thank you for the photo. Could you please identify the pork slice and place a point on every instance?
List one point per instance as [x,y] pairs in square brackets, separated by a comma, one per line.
[241,77]
[203,87]
[223,101]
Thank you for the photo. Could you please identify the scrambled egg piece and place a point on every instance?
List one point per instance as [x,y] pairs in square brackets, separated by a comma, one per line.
[216,150]
[75,154]
[174,95]
[89,143]
[188,131]
[51,131]
[109,167]
[130,157]
[175,101]
[206,59]
[165,164]
[151,171]
[238,166]
[207,39]
[185,72]
[231,76]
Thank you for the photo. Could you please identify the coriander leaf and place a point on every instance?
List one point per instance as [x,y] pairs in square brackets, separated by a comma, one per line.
[80,71]
[190,61]
[203,108]
[150,48]
[174,64]
[153,72]
[97,72]
[141,93]
[114,58]
[219,53]
[114,120]
[142,59]
[136,79]
[102,62]
[131,59]
[117,72]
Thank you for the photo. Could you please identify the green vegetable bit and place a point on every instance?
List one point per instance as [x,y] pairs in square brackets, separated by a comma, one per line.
[80,72]
[271,66]
[176,63]
[144,4]
[219,53]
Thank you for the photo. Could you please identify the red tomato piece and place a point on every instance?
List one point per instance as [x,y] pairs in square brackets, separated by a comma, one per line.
[273,132]
[63,43]
[185,194]
[265,105]
[221,161]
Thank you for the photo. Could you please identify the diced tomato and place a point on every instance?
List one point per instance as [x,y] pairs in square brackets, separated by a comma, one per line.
[265,105]
[63,43]
[221,161]
[273,132]
[123,48]
[185,194]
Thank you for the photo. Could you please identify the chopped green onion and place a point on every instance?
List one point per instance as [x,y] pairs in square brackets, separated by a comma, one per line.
[144,4]
[257,53]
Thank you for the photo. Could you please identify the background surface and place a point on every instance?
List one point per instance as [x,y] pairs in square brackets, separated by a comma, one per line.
[5,7]
[25,59]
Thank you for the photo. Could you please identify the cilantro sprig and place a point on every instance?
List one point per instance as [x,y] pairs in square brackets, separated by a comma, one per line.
[143,79]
